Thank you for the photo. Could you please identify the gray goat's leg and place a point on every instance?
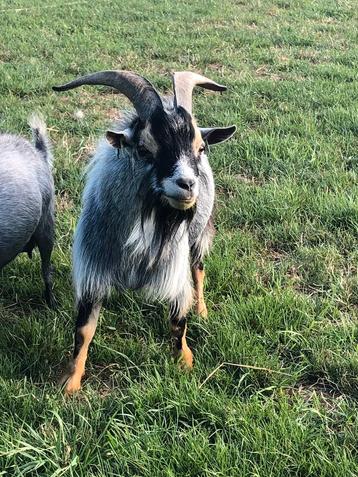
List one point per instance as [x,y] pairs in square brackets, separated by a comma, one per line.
[86,324]
[45,245]
[178,322]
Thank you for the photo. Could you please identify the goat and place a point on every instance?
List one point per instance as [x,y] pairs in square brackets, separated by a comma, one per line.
[147,206]
[27,199]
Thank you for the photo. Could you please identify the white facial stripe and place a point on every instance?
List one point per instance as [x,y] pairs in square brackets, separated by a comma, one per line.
[172,188]
[183,171]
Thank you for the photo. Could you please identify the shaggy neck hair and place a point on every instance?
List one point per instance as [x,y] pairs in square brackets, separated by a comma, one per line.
[167,220]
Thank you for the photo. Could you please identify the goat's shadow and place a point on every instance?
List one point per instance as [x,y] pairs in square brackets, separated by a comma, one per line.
[30,345]
[21,285]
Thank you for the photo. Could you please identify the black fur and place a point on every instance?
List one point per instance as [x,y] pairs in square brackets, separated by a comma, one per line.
[85,307]
[174,134]
[31,244]
[178,324]
[167,219]
[39,142]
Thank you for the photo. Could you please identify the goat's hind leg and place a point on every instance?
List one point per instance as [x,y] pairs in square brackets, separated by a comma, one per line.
[178,322]
[47,273]
[86,323]
[198,250]
[45,241]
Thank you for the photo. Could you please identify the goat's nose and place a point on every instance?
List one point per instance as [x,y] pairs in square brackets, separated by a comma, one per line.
[185,183]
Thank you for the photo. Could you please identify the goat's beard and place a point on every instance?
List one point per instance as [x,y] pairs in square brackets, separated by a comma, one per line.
[167,219]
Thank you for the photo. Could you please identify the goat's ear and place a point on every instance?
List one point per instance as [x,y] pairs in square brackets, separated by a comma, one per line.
[216,135]
[119,139]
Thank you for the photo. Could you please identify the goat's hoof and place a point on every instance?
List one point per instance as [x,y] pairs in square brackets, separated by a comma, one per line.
[185,358]
[201,309]
[50,300]
[70,380]
[73,385]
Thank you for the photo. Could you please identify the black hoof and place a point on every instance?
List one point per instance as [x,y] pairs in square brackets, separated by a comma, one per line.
[50,299]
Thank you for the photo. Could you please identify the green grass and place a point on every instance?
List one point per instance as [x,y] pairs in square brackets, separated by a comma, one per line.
[282,283]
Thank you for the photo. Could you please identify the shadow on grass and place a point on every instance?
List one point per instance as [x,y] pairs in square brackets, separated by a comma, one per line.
[36,343]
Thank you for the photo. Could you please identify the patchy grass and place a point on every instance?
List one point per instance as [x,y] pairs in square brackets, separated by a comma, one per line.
[282,284]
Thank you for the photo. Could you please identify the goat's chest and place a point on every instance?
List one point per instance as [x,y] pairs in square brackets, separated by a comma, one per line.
[161,275]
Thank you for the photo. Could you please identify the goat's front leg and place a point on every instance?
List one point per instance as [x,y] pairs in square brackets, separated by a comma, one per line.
[198,274]
[178,324]
[86,324]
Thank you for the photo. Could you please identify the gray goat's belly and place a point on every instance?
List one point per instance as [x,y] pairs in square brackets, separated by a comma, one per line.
[13,239]
[20,211]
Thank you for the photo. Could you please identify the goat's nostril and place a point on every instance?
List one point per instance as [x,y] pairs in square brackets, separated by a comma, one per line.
[186,184]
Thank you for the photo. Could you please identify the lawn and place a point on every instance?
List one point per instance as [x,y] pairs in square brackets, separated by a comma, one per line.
[282,280]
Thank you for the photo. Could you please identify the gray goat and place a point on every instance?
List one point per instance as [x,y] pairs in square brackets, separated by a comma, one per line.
[147,205]
[27,199]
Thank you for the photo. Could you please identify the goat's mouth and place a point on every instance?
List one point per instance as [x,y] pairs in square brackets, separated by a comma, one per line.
[181,204]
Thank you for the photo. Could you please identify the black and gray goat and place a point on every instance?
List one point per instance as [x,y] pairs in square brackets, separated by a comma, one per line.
[147,206]
[27,199]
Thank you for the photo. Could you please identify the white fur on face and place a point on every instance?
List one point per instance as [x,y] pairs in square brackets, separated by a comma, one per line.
[182,172]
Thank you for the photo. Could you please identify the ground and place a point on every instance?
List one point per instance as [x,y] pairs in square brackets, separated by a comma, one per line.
[282,286]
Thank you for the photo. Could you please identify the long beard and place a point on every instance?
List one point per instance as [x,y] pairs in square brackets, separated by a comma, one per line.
[167,220]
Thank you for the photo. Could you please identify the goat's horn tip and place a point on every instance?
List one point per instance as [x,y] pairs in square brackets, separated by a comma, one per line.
[221,87]
[57,88]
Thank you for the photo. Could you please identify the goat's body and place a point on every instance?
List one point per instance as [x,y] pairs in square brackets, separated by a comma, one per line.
[115,246]
[26,198]
[147,207]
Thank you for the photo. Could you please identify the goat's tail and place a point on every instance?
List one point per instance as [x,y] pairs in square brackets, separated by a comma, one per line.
[40,138]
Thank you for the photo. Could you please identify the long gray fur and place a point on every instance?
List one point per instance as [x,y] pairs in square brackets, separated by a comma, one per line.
[113,249]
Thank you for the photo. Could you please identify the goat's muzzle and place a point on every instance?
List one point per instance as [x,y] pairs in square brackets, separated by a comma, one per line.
[184,204]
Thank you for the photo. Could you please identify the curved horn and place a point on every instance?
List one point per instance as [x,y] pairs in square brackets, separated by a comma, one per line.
[184,83]
[138,90]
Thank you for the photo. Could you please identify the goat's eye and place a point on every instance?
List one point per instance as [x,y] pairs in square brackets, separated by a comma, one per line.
[201,148]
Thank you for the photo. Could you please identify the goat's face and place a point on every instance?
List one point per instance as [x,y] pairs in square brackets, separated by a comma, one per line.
[175,146]
[179,146]
[172,143]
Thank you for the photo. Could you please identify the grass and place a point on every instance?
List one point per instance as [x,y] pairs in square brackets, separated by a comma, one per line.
[282,284]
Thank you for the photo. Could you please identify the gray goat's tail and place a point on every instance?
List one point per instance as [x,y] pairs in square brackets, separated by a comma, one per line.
[40,138]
